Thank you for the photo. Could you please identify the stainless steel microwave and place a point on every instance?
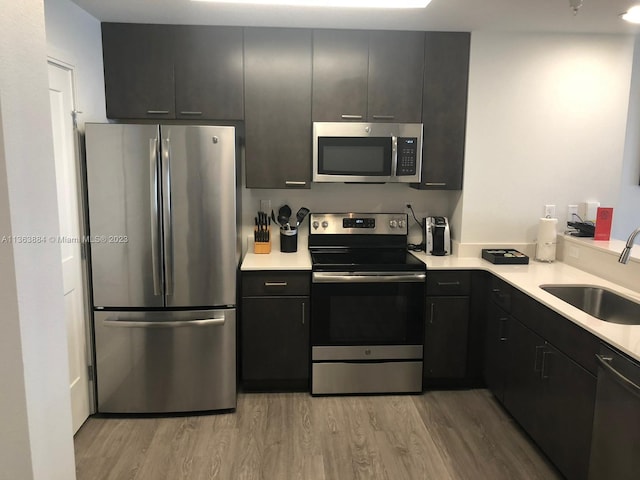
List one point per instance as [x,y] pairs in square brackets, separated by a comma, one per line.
[367,152]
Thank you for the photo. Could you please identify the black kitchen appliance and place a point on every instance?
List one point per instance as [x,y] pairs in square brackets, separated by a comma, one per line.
[437,236]
[367,305]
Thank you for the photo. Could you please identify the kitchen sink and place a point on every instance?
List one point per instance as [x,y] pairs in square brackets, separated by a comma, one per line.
[598,302]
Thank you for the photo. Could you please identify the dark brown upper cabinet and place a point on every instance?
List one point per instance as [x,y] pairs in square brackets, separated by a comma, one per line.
[277,82]
[367,76]
[444,110]
[208,66]
[138,70]
[396,67]
[340,72]
[173,71]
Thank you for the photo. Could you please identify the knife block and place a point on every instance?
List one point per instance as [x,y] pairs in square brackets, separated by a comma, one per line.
[262,247]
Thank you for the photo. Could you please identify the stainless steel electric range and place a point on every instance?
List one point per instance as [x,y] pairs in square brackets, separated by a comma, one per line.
[367,305]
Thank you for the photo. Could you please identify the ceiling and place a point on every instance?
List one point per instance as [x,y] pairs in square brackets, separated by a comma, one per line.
[595,16]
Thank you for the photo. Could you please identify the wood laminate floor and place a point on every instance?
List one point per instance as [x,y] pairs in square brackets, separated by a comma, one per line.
[461,434]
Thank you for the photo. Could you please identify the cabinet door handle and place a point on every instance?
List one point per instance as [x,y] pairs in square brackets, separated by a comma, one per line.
[190,113]
[432,313]
[157,112]
[275,284]
[293,183]
[538,357]
[435,184]
[384,117]
[605,362]
[544,371]
[303,312]
[502,330]
[351,117]
[448,284]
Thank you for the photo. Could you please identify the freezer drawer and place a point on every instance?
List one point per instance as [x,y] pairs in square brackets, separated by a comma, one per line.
[166,361]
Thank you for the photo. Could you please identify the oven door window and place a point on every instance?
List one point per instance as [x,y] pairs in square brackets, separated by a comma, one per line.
[367,314]
[355,156]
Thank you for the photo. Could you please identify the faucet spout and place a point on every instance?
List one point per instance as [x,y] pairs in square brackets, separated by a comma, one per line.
[626,251]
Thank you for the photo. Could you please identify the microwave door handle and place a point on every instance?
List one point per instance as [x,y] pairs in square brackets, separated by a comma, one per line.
[394,155]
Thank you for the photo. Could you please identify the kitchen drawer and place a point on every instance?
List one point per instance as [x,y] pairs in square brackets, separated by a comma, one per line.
[501,293]
[449,282]
[275,283]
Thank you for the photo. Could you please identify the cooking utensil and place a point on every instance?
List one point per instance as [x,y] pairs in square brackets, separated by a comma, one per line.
[303,212]
[284,213]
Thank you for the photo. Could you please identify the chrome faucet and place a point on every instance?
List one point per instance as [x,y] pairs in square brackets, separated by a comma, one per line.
[626,251]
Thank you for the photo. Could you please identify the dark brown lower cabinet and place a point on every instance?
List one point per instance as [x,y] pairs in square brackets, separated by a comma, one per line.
[275,343]
[537,363]
[569,399]
[495,351]
[552,398]
[445,338]
[522,382]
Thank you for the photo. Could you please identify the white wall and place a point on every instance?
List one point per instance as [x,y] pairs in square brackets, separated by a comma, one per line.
[36,437]
[626,217]
[74,37]
[546,125]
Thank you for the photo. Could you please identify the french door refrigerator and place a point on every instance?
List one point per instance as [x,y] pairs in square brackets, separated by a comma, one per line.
[163,254]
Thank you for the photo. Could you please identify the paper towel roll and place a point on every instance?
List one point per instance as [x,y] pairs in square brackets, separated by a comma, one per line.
[546,243]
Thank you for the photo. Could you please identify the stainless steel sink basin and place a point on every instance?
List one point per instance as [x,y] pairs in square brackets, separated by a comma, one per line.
[598,302]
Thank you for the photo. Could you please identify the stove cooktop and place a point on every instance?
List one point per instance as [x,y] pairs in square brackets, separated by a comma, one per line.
[366,260]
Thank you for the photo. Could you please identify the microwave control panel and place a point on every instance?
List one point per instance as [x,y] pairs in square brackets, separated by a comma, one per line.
[407,156]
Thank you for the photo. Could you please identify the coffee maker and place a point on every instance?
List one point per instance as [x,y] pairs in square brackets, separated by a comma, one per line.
[437,236]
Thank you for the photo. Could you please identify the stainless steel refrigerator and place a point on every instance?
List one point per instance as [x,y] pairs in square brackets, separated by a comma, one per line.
[164,253]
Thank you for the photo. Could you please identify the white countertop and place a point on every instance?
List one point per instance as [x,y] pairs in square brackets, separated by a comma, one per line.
[526,278]
[276,260]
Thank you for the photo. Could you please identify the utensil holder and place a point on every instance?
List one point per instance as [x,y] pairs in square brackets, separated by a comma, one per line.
[289,240]
[262,247]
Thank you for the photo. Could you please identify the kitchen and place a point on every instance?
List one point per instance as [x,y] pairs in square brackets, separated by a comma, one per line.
[492,208]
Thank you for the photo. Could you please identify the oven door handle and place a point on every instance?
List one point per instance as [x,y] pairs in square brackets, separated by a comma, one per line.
[368,277]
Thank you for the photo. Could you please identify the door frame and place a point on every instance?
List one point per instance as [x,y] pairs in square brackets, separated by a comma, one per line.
[83,224]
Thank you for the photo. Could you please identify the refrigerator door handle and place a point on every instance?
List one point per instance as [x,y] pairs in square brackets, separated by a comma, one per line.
[204,322]
[168,220]
[155,211]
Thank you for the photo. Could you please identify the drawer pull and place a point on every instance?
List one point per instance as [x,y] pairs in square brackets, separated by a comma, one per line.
[384,117]
[293,183]
[190,113]
[275,284]
[351,117]
[435,184]
[448,284]
[157,112]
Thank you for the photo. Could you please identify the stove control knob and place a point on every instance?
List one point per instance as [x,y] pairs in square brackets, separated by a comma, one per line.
[402,223]
[315,224]
[393,223]
[325,224]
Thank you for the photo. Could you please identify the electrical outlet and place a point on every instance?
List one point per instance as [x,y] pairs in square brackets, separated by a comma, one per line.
[572,213]
[591,211]
[265,206]
[550,211]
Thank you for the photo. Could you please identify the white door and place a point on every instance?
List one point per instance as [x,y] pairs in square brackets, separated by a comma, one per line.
[64,144]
